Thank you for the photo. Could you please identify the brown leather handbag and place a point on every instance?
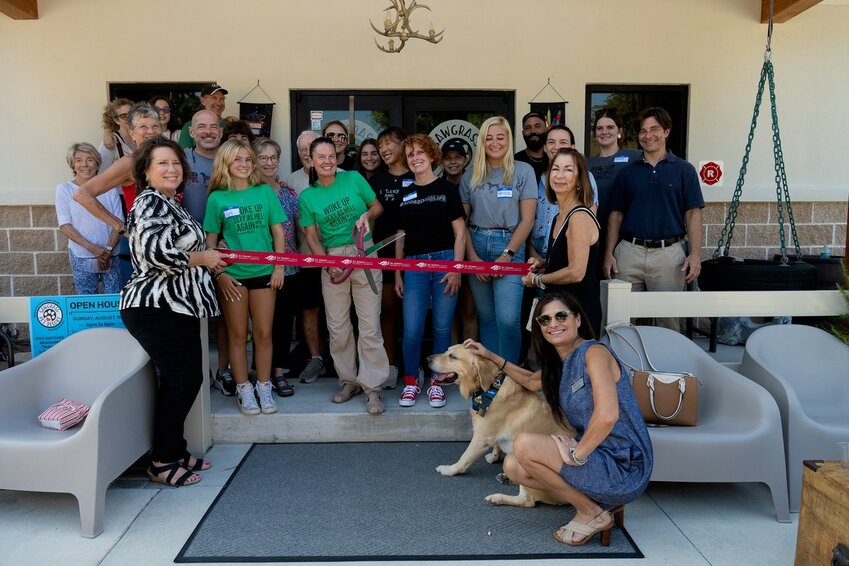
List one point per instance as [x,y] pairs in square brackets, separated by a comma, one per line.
[664,398]
[667,397]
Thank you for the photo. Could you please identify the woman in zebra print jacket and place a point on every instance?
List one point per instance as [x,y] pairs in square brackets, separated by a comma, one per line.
[163,303]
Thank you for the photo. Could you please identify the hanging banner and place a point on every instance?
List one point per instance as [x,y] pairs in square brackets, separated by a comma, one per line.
[258,117]
[554,112]
[52,319]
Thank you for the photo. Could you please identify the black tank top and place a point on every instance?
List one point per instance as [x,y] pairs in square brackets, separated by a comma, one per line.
[587,291]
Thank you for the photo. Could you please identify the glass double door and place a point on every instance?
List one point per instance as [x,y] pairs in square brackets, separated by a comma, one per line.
[443,114]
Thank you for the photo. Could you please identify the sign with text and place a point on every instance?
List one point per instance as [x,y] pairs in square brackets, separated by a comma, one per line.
[52,319]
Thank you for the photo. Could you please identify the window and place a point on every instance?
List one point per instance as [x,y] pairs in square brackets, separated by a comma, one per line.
[630,100]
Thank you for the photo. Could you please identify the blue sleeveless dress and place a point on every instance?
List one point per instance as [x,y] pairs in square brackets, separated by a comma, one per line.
[618,470]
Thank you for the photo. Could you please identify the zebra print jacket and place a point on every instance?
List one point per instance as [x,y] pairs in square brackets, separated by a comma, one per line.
[161,235]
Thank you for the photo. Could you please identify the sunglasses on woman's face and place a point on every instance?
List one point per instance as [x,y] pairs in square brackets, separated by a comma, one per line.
[545,319]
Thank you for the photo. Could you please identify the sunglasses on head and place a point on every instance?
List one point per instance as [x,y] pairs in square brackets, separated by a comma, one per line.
[545,319]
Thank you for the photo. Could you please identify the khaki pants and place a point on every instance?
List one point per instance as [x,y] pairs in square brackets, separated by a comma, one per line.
[652,269]
[362,362]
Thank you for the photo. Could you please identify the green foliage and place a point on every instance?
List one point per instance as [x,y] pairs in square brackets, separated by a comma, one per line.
[840,327]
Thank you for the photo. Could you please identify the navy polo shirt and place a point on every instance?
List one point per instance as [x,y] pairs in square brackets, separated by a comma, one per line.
[653,199]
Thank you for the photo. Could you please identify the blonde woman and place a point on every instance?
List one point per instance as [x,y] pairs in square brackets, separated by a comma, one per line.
[499,196]
[249,216]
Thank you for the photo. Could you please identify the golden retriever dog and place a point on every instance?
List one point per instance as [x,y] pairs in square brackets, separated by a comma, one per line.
[514,409]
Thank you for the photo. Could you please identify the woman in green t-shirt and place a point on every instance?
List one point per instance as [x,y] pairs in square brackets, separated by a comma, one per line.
[330,208]
[249,217]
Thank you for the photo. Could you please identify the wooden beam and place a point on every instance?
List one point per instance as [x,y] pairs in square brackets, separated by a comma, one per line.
[785,9]
[20,9]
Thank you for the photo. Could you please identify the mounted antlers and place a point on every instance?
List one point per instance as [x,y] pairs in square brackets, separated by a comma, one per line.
[402,20]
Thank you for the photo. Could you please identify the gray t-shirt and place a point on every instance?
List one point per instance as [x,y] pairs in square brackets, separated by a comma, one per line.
[197,184]
[495,204]
[298,181]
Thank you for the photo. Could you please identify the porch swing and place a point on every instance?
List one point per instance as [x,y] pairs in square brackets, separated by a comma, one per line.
[726,273]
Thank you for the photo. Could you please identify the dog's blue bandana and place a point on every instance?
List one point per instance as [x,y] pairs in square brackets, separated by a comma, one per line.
[483,399]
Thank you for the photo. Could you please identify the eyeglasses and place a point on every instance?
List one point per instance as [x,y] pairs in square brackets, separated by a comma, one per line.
[164,109]
[268,158]
[123,116]
[332,135]
[545,319]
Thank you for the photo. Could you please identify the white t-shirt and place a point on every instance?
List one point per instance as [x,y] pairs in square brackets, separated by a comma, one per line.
[69,211]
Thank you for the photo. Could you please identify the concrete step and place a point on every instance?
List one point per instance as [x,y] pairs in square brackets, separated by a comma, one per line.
[310,416]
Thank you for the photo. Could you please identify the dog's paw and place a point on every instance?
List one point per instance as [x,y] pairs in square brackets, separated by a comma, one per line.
[446,470]
[492,458]
[511,500]
[497,499]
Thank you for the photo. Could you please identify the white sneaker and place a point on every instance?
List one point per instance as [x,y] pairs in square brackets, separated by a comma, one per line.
[391,381]
[266,402]
[247,399]
[410,393]
[436,396]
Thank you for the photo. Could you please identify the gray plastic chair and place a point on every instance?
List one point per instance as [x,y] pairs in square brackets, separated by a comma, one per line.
[807,372]
[738,437]
[105,368]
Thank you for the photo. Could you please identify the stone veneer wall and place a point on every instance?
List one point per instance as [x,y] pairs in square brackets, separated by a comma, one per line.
[34,253]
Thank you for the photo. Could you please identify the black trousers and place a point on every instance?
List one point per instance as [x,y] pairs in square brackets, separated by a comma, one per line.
[172,341]
[285,306]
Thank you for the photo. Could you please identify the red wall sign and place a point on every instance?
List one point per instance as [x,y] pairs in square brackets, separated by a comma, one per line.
[710,173]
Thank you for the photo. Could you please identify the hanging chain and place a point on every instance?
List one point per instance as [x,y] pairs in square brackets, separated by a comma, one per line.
[781,178]
[731,218]
[727,233]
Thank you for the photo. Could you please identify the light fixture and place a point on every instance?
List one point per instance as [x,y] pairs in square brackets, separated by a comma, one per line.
[397,26]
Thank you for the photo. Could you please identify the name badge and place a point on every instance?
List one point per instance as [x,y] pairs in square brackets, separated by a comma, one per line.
[406,183]
[577,384]
[505,192]
[410,196]
[231,211]
[621,159]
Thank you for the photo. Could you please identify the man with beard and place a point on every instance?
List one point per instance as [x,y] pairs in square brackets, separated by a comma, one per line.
[533,131]
[206,134]
[213,98]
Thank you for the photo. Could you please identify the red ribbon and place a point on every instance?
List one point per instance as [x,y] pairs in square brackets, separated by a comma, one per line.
[344,262]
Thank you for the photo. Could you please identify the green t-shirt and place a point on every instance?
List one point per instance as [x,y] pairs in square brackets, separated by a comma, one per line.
[336,208]
[186,140]
[245,219]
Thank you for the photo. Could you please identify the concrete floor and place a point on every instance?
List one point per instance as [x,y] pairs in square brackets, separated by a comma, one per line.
[147,524]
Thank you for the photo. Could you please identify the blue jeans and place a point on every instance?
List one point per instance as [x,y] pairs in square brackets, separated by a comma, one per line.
[499,301]
[87,281]
[421,290]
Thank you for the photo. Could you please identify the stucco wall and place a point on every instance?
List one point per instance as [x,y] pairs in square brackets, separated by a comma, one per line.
[54,70]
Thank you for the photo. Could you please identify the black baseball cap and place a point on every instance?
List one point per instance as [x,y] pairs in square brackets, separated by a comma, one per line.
[454,144]
[212,89]
[533,115]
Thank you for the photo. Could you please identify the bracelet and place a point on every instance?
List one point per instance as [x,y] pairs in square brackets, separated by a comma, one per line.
[217,275]
[577,461]
[503,365]
[538,281]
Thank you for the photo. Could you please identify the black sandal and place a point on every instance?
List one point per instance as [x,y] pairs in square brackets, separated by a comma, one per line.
[153,473]
[199,463]
[282,386]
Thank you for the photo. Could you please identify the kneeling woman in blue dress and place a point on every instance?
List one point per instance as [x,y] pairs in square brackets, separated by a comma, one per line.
[609,462]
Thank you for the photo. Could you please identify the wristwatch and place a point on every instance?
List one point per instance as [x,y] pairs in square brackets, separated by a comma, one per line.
[509,252]
[108,248]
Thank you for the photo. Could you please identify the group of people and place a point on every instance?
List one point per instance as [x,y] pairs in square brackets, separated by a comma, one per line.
[181,206]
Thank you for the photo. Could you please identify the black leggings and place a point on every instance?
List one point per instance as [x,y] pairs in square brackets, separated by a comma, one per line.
[172,341]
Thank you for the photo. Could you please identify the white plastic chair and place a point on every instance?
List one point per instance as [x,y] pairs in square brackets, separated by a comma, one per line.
[807,372]
[738,437]
[105,368]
